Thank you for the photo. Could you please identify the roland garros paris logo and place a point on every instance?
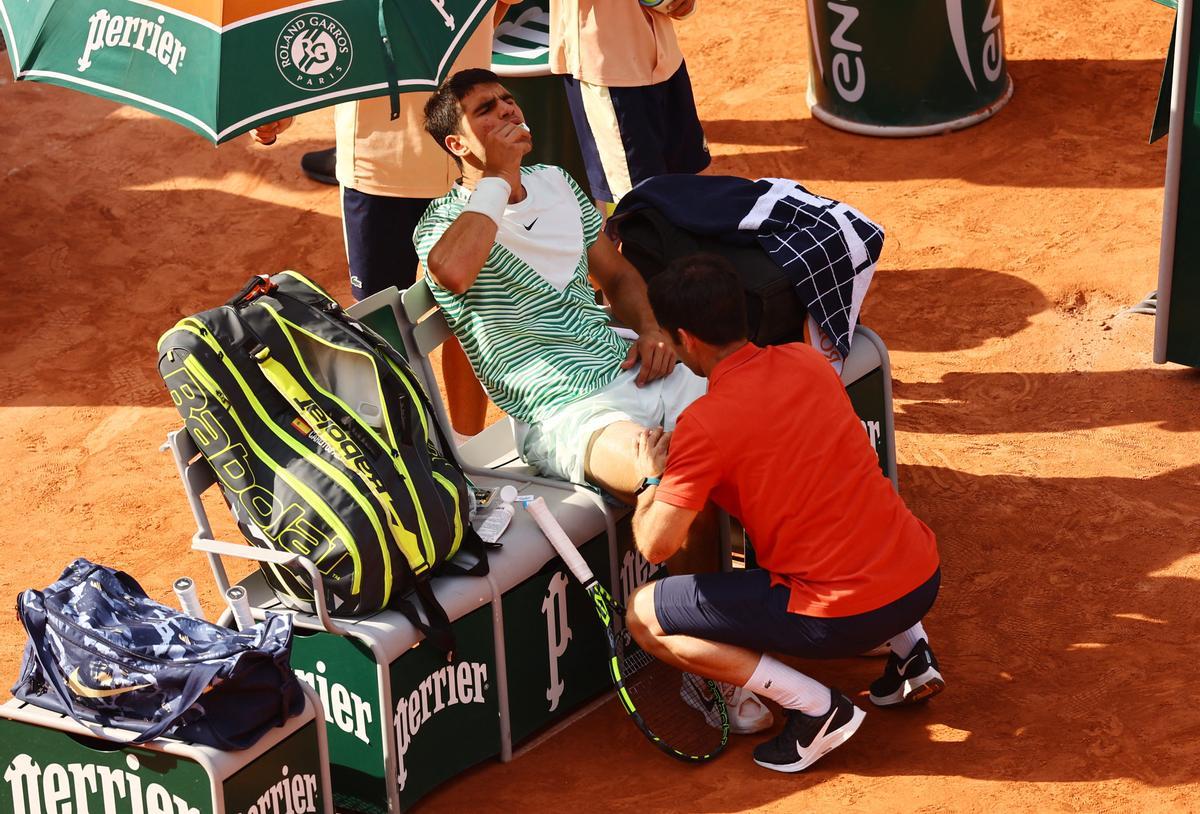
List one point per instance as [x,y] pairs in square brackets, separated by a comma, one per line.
[313,51]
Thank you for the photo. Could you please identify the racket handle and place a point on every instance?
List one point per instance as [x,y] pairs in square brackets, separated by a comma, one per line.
[540,512]
[238,602]
[185,590]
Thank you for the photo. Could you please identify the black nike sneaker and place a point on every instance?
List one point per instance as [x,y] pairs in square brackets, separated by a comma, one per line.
[908,680]
[805,739]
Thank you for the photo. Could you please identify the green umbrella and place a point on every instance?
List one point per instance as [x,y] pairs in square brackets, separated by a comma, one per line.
[522,43]
[222,67]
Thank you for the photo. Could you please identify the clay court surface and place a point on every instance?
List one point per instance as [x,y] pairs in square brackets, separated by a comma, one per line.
[1057,464]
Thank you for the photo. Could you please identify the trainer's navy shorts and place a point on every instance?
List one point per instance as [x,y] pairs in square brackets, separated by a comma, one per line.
[744,609]
[627,135]
[378,230]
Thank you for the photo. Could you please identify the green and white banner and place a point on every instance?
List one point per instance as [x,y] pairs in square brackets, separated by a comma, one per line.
[222,68]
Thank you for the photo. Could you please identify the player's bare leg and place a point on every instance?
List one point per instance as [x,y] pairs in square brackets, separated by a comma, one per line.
[609,465]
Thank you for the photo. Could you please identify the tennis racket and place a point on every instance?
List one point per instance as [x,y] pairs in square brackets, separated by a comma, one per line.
[681,713]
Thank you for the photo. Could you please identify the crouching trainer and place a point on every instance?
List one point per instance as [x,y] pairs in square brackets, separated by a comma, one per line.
[845,566]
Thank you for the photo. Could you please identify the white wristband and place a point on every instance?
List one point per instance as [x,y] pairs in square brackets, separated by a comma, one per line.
[490,198]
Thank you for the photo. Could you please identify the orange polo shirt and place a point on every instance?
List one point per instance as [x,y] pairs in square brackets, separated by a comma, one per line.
[776,444]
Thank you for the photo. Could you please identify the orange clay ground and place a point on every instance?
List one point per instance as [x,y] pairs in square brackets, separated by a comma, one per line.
[1057,464]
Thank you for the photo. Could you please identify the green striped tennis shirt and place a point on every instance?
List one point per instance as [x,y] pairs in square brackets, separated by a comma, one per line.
[530,323]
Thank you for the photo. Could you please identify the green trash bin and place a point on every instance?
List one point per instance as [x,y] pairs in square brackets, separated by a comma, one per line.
[906,67]
[521,58]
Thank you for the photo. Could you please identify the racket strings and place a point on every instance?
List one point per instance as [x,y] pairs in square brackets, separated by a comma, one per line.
[679,708]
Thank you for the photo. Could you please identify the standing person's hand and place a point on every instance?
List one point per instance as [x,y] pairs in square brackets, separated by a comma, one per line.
[267,133]
[504,148]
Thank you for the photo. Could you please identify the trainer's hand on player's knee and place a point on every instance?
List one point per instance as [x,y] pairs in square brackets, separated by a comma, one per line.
[267,133]
[650,450]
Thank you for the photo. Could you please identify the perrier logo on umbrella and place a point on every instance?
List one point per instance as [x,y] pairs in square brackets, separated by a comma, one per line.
[221,67]
[314,51]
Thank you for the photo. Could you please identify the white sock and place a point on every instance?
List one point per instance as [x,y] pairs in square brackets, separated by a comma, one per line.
[789,688]
[903,644]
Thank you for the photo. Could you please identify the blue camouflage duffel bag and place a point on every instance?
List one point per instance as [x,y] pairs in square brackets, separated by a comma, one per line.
[104,653]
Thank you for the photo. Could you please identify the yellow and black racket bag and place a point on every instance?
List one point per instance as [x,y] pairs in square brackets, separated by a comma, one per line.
[325,445]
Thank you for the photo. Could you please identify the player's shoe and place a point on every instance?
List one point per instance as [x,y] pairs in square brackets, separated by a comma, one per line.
[321,165]
[908,680]
[747,714]
[805,739]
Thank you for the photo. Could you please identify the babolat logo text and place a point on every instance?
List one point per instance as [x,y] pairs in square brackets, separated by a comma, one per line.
[290,795]
[313,51]
[81,788]
[293,528]
[117,31]
[346,710]
[454,684]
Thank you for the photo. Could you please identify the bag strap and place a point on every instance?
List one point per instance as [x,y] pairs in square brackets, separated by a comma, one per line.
[436,624]
[473,544]
[199,677]
[35,630]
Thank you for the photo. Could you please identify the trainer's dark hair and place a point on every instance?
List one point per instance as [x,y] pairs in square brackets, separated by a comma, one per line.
[703,295]
[443,110]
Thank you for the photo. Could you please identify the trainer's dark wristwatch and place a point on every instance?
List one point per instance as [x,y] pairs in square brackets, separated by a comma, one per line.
[646,483]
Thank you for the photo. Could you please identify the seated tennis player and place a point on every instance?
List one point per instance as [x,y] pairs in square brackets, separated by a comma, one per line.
[844,565]
[508,251]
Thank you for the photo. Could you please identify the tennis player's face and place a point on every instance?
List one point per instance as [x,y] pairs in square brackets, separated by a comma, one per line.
[486,108]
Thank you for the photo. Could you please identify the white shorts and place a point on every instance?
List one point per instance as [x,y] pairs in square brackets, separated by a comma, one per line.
[557,447]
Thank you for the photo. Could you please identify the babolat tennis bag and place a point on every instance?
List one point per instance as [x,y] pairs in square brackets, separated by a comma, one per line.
[102,652]
[323,442]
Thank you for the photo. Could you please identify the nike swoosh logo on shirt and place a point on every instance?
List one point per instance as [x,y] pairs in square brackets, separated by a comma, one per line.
[530,226]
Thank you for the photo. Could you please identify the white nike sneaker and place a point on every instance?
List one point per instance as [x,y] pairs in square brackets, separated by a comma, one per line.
[747,713]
